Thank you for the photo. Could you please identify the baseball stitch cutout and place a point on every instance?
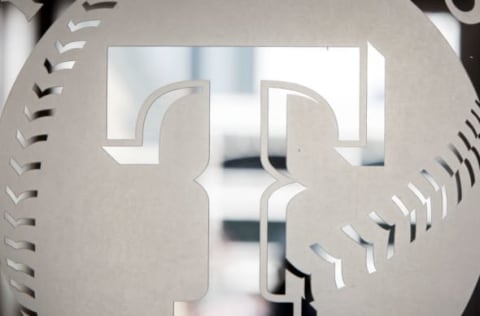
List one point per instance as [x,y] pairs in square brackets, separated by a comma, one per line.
[27,143]
[462,165]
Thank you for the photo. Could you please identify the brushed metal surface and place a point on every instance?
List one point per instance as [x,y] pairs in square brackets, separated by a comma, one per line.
[114,239]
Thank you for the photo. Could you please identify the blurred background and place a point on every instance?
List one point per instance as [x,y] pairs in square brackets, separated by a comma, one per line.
[235,179]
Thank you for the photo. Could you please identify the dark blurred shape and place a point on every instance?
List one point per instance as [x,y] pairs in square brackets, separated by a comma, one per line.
[49,13]
[286,309]
[278,162]
[464,5]
[249,231]
[46,17]
[473,307]
[374,164]
[281,309]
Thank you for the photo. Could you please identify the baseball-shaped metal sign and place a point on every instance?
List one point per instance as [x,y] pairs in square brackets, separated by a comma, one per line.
[106,136]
